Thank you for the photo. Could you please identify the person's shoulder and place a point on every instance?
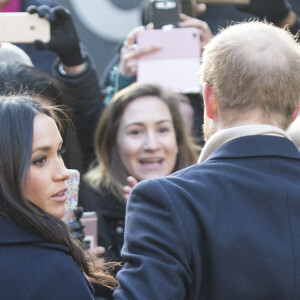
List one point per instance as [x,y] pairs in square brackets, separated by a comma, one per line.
[55,263]
[52,256]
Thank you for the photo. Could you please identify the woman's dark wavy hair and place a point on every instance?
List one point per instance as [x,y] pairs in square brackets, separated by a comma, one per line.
[17,115]
[17,78]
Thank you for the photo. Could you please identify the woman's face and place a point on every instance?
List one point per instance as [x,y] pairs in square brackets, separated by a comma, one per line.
[146,139]
[45,184]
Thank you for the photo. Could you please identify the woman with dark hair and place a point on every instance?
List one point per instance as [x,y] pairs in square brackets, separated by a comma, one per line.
[141,134]
[78,139]
[19,78]
[39,258]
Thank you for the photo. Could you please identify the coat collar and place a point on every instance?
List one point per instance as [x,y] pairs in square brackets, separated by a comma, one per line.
[257,146]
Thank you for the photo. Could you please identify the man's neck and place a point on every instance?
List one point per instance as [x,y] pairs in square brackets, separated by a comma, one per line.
[253,117]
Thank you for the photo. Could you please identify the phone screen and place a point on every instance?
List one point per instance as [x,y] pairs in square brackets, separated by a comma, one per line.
[164,13]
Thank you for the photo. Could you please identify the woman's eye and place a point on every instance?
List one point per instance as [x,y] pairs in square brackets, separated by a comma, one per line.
[135,132]
[164,129]
[61,151]
[40,161]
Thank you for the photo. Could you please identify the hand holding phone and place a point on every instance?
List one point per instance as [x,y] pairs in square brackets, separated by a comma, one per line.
[64,39]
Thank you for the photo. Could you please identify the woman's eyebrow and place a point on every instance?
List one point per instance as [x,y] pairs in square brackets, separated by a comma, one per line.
[45,148]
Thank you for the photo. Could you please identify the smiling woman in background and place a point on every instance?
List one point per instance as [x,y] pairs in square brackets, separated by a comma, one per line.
[39,259]
[141,134]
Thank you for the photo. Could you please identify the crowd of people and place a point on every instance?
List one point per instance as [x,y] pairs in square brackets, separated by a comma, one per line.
[197,195]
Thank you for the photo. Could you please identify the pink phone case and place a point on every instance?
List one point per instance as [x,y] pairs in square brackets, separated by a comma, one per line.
[90,220]
[176,64]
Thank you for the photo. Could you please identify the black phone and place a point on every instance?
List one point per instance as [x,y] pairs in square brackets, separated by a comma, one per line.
[164,12]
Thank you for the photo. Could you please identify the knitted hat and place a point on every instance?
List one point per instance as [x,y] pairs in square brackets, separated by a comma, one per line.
[12,53]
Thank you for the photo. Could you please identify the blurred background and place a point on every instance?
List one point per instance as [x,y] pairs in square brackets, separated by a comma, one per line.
[103,24]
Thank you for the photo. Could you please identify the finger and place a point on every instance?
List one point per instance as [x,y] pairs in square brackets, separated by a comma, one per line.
[192,22]
[97,251]
[60,12]
[129,53]
[146,50]
[32,9]
[150,26]
[184,17]
[200,9]
[127,189]
[43,11]
[40,45]
[131,37]
[132,181]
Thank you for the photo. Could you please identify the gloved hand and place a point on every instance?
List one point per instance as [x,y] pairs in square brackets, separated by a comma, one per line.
[64,39]
[273,10]
[76,226]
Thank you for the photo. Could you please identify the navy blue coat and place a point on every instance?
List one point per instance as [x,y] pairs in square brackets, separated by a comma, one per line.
[228,228]
[34,269]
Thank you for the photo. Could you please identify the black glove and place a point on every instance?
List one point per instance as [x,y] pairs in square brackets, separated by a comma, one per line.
[64,39]
[76,226]
[273,10]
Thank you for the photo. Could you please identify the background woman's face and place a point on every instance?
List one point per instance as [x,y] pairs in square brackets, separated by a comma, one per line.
[146,139]
[45,184]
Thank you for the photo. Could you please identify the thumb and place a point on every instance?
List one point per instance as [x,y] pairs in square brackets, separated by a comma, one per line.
[200,9]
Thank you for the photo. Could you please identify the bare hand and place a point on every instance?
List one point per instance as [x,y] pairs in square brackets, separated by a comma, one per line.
[205,32]
[127,188]
[96,251]
[130,52]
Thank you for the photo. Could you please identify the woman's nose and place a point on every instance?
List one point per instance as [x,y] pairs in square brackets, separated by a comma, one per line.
[61,173]
[151,142]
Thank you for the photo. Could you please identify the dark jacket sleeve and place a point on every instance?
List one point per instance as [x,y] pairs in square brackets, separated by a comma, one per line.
[156,251]
[86,104]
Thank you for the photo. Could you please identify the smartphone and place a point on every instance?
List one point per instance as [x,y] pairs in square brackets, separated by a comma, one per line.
[164,12]
[22,27]
[90,220]
[187,7]
[244,2]
[72,192]
[176,64]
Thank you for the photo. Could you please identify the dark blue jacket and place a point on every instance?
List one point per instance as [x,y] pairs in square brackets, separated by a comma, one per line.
[227,228]
[33,269]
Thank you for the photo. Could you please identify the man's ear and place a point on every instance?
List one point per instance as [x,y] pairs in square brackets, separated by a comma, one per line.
[210,101]
[296,112]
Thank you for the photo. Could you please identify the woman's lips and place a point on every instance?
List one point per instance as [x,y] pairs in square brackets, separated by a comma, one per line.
[60,196]
[151,163]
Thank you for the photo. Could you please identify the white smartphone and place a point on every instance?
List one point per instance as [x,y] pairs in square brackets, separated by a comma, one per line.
[73,190]
[22,27]
[176,64]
